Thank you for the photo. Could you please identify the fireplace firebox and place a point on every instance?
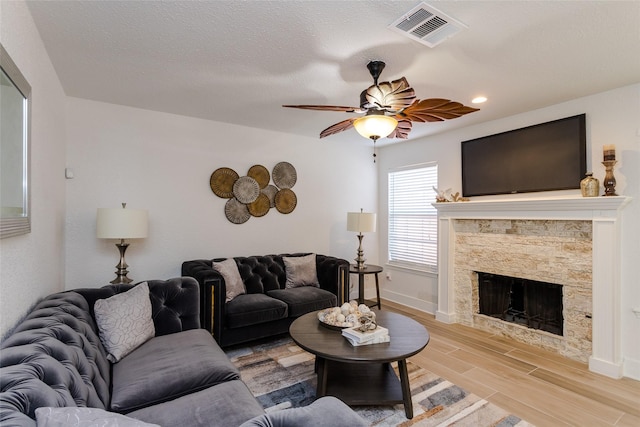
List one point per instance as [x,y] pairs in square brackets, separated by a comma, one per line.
[530,303]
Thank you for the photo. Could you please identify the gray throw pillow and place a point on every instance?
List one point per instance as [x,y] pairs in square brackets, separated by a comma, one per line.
[83,417]
[232,280]
[124,321]
[301,271]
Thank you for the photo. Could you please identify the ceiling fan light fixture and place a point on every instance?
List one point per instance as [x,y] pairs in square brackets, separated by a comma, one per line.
[375,126]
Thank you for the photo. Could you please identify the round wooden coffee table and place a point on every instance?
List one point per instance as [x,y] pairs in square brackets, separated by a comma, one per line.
[362,375]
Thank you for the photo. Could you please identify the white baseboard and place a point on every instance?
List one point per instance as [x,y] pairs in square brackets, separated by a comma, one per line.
[410,301]
[605,368]
[631,368]
[445,317]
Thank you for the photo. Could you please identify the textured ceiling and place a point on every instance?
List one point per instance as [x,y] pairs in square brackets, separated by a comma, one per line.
[239,61]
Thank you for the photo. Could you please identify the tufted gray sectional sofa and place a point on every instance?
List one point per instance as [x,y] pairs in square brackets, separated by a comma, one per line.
[181,377]
[267,308]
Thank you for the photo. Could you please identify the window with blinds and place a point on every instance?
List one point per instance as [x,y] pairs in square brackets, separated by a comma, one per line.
[413,222]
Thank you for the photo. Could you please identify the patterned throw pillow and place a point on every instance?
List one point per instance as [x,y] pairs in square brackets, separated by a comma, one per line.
[232,280]
[124,321]
[83,417]
[301,271]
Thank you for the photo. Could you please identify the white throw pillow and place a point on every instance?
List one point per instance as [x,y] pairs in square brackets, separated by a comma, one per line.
[301,271]
[232,280]
[84,417]
[124,321]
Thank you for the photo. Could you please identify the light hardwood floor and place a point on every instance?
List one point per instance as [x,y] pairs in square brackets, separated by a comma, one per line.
[540,387]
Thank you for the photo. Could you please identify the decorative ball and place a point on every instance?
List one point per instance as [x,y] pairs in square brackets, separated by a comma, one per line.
[331,318]
[345,309]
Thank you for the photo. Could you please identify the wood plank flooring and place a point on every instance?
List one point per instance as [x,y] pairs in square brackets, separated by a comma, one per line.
[538,386]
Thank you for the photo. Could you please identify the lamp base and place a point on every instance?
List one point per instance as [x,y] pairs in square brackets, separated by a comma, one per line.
[360,259]
[121,272]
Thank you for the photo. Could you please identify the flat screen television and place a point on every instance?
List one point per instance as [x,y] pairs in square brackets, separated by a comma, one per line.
[544,157]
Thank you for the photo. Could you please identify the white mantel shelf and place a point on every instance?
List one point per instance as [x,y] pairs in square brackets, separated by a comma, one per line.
[605,215]
[564,207]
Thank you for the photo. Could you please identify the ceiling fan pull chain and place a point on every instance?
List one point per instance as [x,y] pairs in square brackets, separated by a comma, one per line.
[374,138]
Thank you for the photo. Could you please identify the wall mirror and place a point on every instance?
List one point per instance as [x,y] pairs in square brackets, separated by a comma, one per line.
[15,134]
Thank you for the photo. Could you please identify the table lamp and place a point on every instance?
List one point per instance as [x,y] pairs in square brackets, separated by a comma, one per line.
[361,222]
[115,223]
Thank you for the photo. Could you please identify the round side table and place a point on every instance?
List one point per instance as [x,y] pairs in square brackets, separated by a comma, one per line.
[368,269]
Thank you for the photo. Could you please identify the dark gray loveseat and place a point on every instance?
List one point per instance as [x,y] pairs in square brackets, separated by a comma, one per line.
[267,308]
[181,377]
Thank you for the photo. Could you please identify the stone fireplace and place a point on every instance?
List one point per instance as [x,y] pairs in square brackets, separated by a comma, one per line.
[573,242]
[549,251]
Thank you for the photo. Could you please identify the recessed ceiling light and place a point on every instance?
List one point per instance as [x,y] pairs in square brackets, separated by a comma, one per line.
[479,99]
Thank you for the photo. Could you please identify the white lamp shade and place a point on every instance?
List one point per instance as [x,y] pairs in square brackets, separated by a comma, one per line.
[361,222]
[376,125]
[121,223]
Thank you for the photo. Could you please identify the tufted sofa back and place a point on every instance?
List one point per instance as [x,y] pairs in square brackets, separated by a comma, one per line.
[264,273]
[175,302]
[54,357]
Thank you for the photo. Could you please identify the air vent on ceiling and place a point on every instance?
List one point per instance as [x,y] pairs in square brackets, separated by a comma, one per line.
[427,25]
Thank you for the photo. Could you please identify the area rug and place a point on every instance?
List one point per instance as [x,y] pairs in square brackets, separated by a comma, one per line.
[281,375]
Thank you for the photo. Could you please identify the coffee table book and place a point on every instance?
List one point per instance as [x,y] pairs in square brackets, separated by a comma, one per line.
[377,340]
[376,336]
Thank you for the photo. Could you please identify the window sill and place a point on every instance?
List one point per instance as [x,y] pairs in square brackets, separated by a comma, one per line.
[411,270]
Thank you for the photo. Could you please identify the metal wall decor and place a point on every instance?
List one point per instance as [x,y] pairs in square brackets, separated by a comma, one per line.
[252,195]
[222,181]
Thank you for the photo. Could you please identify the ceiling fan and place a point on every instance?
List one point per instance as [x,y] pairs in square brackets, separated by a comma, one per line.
[392,105]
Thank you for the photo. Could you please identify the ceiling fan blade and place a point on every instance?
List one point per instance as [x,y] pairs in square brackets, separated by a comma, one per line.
[390,96]
[338,127]
[328,108]
[402,130]
[434,110]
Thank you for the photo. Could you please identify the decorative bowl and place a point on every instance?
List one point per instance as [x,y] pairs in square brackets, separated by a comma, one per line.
[345,316]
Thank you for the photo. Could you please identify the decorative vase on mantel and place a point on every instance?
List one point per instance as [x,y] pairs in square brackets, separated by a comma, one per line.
[590,186]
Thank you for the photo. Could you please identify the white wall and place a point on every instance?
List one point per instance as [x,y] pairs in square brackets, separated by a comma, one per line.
[32,265]
[613,117]
[163,162]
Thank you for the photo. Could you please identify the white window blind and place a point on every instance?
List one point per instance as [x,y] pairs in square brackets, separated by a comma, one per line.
[413,222]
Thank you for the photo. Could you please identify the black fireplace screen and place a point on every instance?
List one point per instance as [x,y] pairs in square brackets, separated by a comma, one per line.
[534,304]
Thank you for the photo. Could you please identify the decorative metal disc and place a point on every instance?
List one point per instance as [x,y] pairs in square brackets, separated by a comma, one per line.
[284,175]
[286,201]
[236,212]
[270,191]
[222,181]
[246,189]
[260,207]
[260,174]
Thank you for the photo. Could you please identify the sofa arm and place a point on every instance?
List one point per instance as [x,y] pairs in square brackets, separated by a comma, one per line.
[214,296]
[333,276]
[212,292]
[175,302]
[327,411]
